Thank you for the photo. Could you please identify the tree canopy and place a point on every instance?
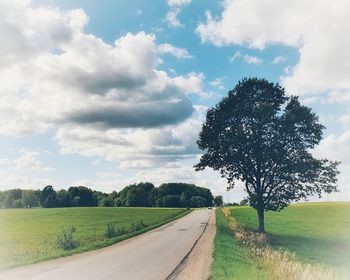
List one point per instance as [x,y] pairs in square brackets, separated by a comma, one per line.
[136,195]
[262,137]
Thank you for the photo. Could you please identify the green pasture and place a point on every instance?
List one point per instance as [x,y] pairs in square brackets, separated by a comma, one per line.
[30,235]
[315,232]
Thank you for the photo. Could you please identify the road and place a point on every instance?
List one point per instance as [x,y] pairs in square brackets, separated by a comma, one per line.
[153,255]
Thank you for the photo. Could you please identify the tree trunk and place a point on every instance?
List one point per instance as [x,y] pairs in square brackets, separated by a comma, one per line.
[261,220]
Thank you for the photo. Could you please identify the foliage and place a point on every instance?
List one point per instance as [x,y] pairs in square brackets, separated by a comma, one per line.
[48,197]
[218,201]
[66,240]
[244,202]
[110,231]
[264,138]
[198,201]
[82,196]
[171,200]
[136,195]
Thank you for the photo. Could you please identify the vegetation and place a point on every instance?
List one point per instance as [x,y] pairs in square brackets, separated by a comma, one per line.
[218,201]
[263,257]
[261,136]
[136,195]
[65,239]
[316,232]
[230,260]
[32,235]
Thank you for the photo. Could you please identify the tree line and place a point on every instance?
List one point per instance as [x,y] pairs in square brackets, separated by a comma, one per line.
[136,195]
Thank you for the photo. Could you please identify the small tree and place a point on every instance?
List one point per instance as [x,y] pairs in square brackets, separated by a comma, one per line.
[218,201]
[264,138]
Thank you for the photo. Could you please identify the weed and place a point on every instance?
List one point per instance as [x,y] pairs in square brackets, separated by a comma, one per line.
[66,240]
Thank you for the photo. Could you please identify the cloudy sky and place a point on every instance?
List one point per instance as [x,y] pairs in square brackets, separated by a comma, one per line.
[107,93]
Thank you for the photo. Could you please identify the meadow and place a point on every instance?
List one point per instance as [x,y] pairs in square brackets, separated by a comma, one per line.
[318,234]
[30,235]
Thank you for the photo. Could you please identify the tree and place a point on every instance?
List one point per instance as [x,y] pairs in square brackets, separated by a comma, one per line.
[48,197]
[218,201]
[259,135]
[198,201]
[171,200]
[82,196]
[30,198]
[63,199]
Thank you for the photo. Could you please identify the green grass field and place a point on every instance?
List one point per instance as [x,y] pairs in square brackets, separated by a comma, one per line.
[29,235]
[316,232]
[229,259]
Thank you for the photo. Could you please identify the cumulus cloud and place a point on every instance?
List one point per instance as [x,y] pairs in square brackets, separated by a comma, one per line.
[78,78]
[170,49]
[249,59]
[336,147]
[28,160]
[174,11]
[316,28]
[135,148]
[172,3]
[172,17]
[279,59]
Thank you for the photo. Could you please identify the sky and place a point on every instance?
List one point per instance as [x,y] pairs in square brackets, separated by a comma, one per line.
[109,93]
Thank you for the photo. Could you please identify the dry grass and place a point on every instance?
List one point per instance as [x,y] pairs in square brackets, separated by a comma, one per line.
[279,265]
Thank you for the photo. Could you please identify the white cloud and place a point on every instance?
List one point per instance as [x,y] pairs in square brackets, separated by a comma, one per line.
[316,28]
[172,3]
[249,59]
[236,56]
[174,11]
[28,160]
[218,83]
[135,148]
[172,17]
[252,59]
[170,49]
[279,59]
[336,147]
[89,82]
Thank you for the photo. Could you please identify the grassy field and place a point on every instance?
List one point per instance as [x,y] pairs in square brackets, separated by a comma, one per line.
[230,260]
[316,232]
[30,235]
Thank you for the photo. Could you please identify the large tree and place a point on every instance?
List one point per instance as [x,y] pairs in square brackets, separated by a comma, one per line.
[262,137]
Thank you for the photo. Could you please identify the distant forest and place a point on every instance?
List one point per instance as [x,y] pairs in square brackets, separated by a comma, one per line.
[136,195]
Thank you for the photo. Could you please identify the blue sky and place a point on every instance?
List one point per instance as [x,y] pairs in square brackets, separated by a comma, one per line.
[108,93]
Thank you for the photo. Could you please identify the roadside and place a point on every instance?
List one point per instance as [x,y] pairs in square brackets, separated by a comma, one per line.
[230,260]
[150,256]
[198,263]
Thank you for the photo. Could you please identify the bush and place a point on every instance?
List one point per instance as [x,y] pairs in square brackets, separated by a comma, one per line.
[110,231]
[137,226]
[65,239]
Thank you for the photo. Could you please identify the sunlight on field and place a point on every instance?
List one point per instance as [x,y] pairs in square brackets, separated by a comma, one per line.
[316,232]
[29,235]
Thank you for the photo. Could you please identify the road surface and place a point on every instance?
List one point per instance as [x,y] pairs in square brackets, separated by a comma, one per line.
[150,256]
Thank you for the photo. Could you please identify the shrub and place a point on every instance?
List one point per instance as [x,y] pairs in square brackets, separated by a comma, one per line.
[137,226]
[65,239]
[110,231]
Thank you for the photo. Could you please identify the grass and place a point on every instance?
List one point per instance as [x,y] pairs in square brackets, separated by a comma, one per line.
[230,261]
[29,235]
[318,233]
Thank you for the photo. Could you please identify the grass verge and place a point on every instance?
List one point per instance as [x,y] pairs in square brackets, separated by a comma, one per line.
[230,261]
